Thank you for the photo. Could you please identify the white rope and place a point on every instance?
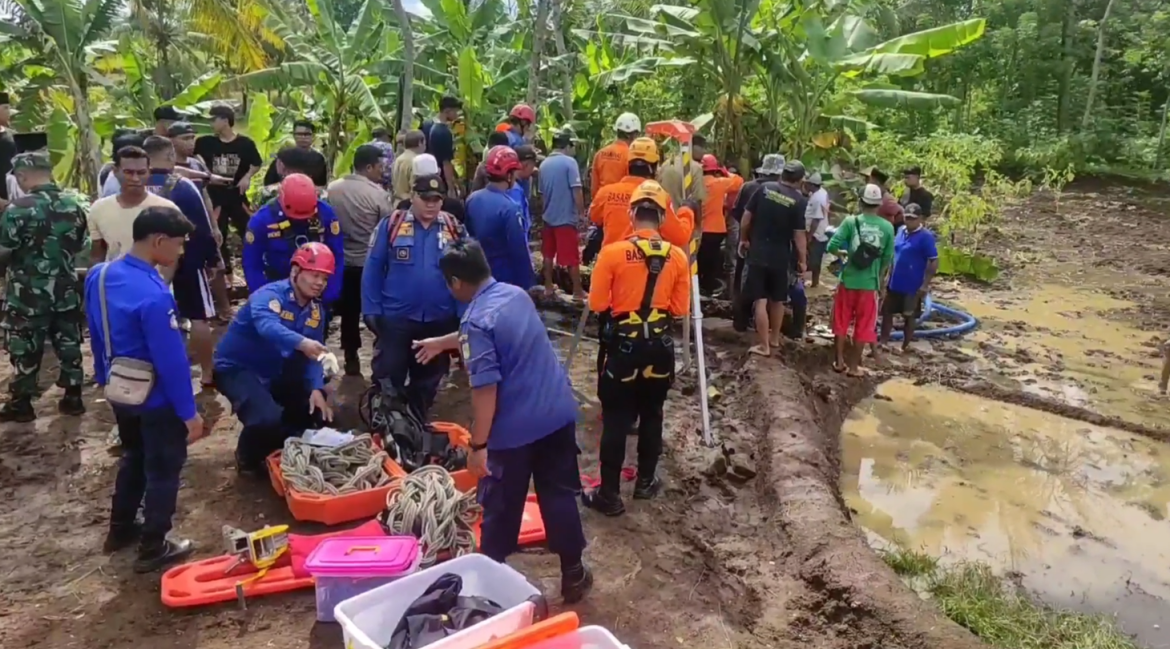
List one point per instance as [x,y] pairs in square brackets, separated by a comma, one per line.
[427,506]
[353,466]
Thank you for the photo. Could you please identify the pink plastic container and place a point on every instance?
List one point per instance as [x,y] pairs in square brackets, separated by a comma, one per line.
[348,566]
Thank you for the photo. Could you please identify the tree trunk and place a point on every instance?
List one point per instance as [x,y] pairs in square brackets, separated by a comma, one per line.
[567,90]
[1096,66]
[406,101]
[1162,135]
[1066,61]
[537,45]
[88,146]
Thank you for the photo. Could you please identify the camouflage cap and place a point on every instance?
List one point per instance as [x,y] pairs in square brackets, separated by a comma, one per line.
[32,160]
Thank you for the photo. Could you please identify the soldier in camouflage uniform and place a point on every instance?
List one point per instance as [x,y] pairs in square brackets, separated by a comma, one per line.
[46,232]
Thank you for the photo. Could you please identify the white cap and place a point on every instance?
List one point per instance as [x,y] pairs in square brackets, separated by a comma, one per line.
[627,123]
[872,195]
[425,164]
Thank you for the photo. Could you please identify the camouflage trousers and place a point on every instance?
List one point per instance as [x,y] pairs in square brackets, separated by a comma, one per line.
[25,338]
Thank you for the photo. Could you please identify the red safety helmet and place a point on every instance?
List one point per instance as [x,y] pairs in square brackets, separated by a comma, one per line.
[500,160]
[524,112]
[711,163]
[315,256]
[298,197]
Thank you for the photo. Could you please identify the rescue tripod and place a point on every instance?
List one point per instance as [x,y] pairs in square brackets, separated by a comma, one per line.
[682,132]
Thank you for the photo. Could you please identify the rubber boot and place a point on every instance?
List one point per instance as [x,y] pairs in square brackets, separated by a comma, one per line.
[647,488]
[158,555]
[71,404]
[121,537]
[353,366]
[604,501]
[576,582]
[19,411]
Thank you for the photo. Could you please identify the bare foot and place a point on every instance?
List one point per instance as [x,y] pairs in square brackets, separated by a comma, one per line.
[580,296]
[856,373]
[550,292]
[758,350]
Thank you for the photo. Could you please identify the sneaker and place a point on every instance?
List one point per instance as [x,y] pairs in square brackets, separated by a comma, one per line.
[576,584]
[645,489]
[71,404]
[158,556]
[19,411]
[601,502]
[121,537]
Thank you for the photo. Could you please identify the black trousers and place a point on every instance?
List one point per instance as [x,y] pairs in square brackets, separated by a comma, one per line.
[639,399]
[154,448]
[711,260]
[350,309]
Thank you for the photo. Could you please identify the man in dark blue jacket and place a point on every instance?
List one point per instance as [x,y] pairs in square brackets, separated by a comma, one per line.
[497,222]
[132,315]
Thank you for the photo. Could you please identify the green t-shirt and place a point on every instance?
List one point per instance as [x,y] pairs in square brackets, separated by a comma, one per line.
[873,230]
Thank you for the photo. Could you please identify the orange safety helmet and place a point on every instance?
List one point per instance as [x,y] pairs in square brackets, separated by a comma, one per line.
[643,149]
[298,197]
[651,191]
[523,112]
[503,127]
[315,256]
[711,163]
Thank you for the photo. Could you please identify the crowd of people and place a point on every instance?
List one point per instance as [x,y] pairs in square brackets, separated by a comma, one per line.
[395,245]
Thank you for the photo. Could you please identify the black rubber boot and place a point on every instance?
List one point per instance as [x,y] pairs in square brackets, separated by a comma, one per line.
[254,470]
[156,556]
[353,366]
[576,583]
[647,488]
[121,537]
[71,404]
[604,502]
[18,410]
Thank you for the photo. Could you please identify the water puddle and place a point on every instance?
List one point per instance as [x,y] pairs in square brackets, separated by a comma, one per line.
[1078,511]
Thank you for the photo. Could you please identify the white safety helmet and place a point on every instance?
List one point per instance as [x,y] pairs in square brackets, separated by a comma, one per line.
[628,123]
[424,164]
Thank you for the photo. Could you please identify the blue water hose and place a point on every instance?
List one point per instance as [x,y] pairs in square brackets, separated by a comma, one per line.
[967,322]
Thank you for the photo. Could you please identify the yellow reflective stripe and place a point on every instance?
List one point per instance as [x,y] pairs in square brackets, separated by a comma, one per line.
[694,256]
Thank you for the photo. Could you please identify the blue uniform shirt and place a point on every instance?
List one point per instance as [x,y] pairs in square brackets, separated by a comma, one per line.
[404,280]
[495,220]
[266,332]
[272,239]
[912,252]
[143,325]
[504,342]
[519,194]
[200,249]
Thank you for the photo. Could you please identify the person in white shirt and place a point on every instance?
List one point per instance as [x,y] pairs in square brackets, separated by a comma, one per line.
[111,219]
[816,217]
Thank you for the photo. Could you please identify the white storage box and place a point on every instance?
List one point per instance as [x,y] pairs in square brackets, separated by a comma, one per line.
[368,620]
[586,637]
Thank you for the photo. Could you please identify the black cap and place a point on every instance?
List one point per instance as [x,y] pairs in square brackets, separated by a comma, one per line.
[877,174]
[912,171]
[794,167]
[431,185]
[26,142]
[167,113]
[4,98]
[180,128]
[913,209]
[526,152]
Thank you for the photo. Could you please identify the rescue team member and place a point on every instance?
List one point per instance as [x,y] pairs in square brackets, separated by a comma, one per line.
[520,121]
[915,263]
[609,164]
[639,286]
[404,295]
[275,393]
[140,323]
[710,259]
[495,139]
[45,232]
[522,188]
[610,208]
[769,171]
[277,230]
[868,239]
[360,204]
[524,414]
[497,222]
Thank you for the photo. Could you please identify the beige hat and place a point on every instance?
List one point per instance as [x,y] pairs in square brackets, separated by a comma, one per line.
[872,195]
[425,164]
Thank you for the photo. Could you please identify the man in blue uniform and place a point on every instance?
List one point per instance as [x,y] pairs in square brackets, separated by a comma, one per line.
[277,230]
[495,220]
[404,295]
[524,414]
[521,190]
[132,315]
[275,393]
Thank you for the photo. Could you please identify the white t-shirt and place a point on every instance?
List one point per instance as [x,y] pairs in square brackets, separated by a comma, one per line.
[817,214]
[114,224]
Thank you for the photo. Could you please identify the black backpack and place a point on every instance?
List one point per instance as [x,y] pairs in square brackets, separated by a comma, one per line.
[863,253]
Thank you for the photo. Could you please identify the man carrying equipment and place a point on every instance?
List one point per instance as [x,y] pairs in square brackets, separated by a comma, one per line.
[275,393]
[46,232]
[497,222]
[639,286]
[610,163]
[277,230]
[610,208]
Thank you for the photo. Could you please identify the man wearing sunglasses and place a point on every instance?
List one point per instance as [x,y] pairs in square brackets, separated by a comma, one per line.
[404,294]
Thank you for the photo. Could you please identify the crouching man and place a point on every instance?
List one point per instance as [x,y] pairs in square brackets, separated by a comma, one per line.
[525,415]
[275,393]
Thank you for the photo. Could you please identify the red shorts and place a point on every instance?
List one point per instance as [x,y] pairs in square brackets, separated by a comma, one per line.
[859,308]
[558,244]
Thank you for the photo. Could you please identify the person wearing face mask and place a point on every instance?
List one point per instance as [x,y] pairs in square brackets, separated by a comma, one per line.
[497,222]
[524,414]
[404,294]
[275,391]
[915,263]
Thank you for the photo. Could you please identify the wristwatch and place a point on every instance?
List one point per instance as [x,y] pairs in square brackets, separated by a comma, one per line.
[478,447]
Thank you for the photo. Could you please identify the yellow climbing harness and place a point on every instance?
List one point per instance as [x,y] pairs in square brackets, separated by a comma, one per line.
[637,331]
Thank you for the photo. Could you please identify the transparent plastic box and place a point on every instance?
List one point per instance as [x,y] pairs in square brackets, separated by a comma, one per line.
[348,566]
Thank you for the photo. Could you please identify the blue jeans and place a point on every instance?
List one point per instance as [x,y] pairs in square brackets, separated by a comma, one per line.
[269,412]
[394,358]
[154,449]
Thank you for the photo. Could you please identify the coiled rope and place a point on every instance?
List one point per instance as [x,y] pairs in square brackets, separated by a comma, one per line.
[427,506]
[353,466]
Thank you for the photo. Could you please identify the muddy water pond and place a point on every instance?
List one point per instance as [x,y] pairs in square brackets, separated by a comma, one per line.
[1075,513]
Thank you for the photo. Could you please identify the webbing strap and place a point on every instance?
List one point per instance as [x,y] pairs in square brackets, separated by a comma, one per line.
[654,265]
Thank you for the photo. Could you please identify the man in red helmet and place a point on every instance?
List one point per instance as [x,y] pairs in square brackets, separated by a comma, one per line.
[279,228]
[498,222]
[268,364]
[520,121]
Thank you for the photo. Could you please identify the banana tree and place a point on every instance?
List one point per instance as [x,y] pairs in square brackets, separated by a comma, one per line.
[64,32]
[334,65]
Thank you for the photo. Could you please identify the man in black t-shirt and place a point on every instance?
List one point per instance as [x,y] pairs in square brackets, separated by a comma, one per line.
[772,227]
[441,141]
[314,166]
[7,150]
[233,156]
[915,192]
